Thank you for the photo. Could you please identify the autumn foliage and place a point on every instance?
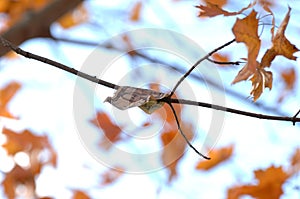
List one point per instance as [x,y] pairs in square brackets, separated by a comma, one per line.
[257,67]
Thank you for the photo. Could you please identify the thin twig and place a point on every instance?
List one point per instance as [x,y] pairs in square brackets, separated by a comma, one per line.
[168,99]
[56,64]
[295,118]
[230,110]
[184,136]
[197,63]
[224,63]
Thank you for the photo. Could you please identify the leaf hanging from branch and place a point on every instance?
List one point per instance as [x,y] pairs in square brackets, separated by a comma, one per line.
[126,97]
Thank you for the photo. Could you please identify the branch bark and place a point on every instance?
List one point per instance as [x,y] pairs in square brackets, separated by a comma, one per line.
[167,99]
[37,24]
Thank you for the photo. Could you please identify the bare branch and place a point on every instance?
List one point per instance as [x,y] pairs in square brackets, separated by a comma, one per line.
[184,136]
[197,63]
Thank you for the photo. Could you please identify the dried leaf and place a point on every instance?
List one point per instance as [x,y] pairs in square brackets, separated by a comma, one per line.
[217,156]
[136,11]
[212,10]
[246,31]
[260,80]
[112,132]
[269,185]
[289,78]
[281,45]
[220,58]
[6,94]
[219,3]
[126,97]
[243,74]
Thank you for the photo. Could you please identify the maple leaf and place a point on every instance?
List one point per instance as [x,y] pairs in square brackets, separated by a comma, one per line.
[217,156]
[246,30]
[243,74]
[112,132]
[212,10]
[6,94]
[269,185]
[280,45]
[260,80]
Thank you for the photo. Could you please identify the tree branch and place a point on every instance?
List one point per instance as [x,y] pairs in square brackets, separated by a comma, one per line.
[167,99]
[37,24]
[197,63]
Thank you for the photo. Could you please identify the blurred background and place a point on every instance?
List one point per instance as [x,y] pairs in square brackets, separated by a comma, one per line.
[45,155]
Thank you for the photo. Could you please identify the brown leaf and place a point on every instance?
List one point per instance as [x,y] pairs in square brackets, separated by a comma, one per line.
[6,94]
[281,45]
[73,18]
[245,30]
[219,3]
[112,132]
[289,78]
[110,176]
[18,176]
[260,80]
[136,11]
[174,147]
[296,158]
[217,156]
[243,74]
[78,194]
[220,57]
[269,185]
[212,10]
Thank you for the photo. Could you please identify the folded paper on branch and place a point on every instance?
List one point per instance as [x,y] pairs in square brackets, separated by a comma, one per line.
[126,97]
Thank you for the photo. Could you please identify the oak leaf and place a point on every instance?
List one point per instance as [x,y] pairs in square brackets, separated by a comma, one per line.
[269,185]
[280,45]
[246,30]
[243,74]
[217,156]
[111,131]
[212,10]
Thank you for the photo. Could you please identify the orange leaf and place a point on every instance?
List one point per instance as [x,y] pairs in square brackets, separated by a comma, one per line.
[112,132]
[6,94]
[77,194]
[220,57]
[73,18]
[18,176]
[245,30]
[289,78]
[243,74]
[260,80]
[217,156]
[296,158]
[212,10]
[269,185]
[111,176]
[136,11]
[281,45]
[219,3]
[174,147]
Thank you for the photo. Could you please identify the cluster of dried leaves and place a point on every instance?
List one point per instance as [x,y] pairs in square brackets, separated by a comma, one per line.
[245,30]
